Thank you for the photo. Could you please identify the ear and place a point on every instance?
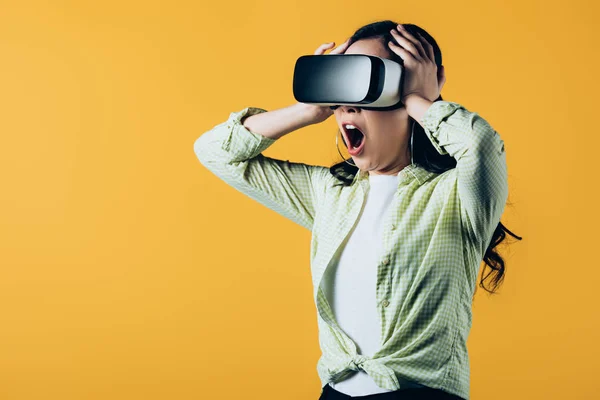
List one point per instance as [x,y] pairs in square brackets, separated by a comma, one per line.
[441,75]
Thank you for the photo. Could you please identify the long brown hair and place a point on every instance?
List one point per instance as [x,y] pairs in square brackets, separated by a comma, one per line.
[423,151]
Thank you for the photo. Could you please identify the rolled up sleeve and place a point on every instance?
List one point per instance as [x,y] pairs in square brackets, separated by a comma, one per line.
[233,153]
[481,164]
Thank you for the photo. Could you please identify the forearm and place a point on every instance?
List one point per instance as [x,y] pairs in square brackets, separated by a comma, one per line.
[277,123]
[234,153]
[480,173]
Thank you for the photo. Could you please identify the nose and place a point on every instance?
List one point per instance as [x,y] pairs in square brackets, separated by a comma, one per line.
[350,108]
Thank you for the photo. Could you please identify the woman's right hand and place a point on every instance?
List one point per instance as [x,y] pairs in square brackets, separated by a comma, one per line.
[316,113]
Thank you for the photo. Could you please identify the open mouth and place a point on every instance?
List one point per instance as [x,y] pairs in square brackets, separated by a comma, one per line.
[355,139]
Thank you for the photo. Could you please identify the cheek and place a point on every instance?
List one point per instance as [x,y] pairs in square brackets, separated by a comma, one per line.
[386,141]
[387,137]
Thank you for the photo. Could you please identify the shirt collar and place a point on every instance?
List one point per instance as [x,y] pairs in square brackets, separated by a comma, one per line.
[409,173]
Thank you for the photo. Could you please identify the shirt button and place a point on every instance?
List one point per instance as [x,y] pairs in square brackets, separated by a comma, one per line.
[386,261]
[386,303]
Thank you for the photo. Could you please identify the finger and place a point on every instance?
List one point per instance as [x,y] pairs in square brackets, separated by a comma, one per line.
[403,53]
[321,49]
[429,47]
[414,40]
[410,39]
[341,48]
[407,44]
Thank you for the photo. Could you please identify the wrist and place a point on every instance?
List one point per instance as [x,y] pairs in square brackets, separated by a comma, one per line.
[416,106]
[410,98]
[310,114]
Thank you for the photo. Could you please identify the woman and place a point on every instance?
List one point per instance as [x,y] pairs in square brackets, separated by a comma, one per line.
[398,234]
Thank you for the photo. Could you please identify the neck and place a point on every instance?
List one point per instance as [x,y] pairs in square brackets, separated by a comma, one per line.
[395,168]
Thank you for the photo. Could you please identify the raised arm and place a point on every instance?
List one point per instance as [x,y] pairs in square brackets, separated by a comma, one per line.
[480,163]
[233,153]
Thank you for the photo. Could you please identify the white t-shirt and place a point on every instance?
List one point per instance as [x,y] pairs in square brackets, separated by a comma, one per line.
[349,283]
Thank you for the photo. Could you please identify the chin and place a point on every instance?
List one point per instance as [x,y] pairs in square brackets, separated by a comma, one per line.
[360,164]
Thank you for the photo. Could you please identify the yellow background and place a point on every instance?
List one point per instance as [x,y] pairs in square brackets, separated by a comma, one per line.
[129,271]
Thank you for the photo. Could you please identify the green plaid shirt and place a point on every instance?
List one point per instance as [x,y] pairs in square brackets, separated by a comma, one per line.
[434,241]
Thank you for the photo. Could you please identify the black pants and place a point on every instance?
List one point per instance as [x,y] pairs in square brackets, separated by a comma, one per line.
[330,393]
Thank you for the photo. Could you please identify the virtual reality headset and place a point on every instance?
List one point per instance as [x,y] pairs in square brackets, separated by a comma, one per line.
[365,81]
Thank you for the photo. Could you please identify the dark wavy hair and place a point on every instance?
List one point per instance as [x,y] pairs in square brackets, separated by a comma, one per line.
[423,151]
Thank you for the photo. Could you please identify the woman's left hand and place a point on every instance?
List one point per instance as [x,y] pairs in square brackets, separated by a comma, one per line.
[419,65]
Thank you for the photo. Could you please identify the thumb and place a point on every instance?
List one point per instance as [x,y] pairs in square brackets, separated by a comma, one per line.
[441,74]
